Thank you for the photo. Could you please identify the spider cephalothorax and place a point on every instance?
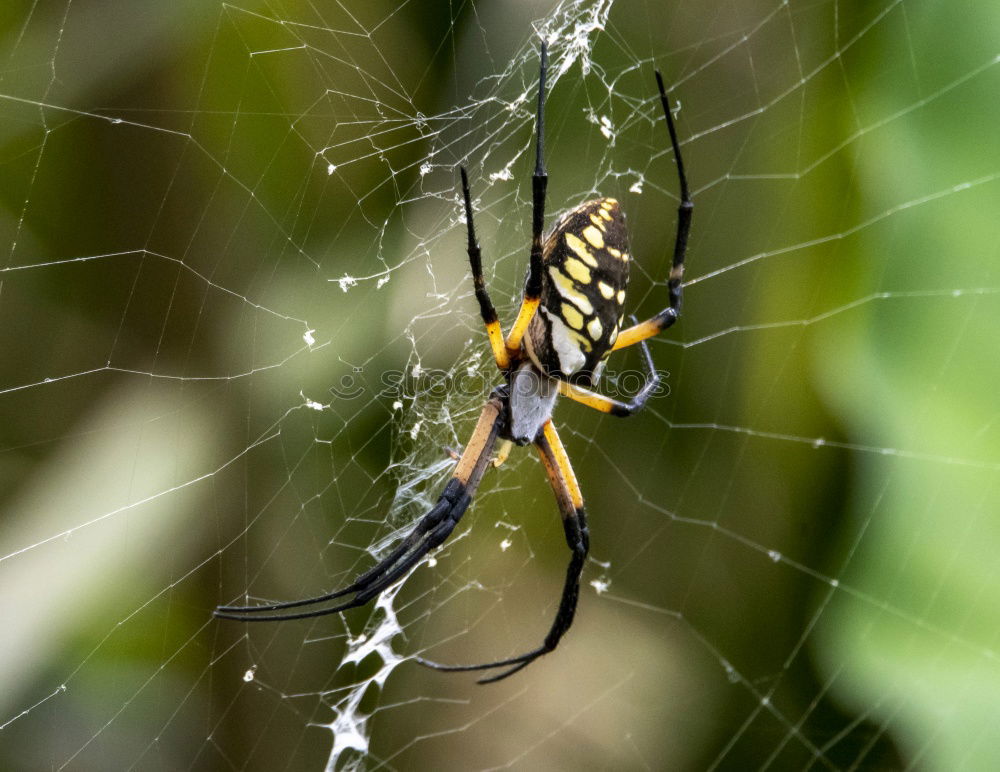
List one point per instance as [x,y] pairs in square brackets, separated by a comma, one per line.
[569,321]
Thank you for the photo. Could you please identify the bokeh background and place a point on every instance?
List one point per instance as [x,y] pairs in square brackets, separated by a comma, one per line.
[224,228]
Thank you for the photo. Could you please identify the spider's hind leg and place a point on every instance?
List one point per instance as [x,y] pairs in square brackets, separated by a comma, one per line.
[570,501]
[429,532]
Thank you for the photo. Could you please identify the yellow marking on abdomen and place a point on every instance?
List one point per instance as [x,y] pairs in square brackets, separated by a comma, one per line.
[576,244]
[607,291]
[594,236]
[571,316]
[564,286]
[598,221]
[577,270]
[594,328]
[582,341]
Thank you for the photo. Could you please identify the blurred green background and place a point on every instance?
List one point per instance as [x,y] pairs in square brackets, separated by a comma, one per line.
[217,218]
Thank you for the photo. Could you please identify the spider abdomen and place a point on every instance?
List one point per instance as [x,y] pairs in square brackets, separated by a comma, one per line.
[586,259]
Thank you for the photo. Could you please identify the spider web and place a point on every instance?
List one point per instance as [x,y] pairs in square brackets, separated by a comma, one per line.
[238,334]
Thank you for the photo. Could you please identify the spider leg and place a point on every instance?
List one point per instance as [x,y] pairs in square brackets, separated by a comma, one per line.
[570,501]
[670,314]
[613,406]
[539,182]
[502,453]
[486,309]
[430,532]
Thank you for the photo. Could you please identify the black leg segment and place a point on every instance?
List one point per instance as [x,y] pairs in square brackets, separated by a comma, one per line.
[430,532]
[666,318]
[577,539]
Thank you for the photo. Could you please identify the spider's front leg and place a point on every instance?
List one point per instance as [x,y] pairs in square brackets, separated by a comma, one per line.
[430,532]
[570,501]
[531,298]
[672,312]
[486,309]
[508,351]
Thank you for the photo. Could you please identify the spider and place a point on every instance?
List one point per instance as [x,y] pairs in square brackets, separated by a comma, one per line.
[569,322]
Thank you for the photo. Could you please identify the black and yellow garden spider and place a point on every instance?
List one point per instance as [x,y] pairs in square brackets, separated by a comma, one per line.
[568,324]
